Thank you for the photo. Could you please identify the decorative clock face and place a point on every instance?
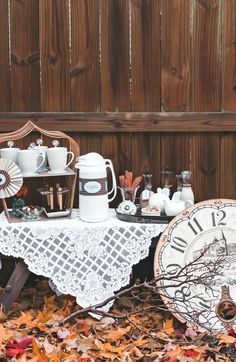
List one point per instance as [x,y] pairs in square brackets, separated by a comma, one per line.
[195,265]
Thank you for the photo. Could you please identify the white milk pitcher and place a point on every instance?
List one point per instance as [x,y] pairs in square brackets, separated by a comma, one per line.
[93,189]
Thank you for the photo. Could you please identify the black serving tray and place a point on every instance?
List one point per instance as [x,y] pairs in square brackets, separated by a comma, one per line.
[146,219]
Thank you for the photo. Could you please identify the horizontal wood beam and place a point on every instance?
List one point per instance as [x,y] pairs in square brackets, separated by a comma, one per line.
[123,121]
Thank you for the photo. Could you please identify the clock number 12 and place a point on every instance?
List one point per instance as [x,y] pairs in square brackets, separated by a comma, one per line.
[220,215]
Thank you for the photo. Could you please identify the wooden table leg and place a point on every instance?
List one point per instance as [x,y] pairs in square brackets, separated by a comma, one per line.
[14,285]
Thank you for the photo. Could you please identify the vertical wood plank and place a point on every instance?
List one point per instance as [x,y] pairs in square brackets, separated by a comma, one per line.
[85,63]
[175,153]
[227,174]
[206,166]
[229,56]
[145,55]
[54,49]
[25,72]
[175,51]
[124,144]
[115,72]
[5,89]
[109,150]
[206,77]
[146,156]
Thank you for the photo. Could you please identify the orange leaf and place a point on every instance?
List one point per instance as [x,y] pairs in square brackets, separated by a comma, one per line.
[225,338]
[174,354]
[53,357]
[120,332]
[25,318]
[37,352]
[109,348]
[168,326]
[86,330]
[141,341]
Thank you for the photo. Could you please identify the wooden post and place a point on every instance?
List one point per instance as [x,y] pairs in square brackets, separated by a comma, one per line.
[14,285]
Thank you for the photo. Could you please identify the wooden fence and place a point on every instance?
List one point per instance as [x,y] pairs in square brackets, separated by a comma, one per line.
[147,83]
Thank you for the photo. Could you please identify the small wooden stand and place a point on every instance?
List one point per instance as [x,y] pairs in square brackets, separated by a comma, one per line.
[21,272]
[69,176]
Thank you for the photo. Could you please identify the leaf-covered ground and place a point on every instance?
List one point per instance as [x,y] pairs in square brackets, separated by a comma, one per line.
[31,333]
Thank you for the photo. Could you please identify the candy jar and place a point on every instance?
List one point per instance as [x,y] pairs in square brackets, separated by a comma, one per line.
[187,192]
[147,192]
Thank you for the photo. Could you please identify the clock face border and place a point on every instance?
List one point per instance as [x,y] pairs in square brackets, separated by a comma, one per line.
[165,239]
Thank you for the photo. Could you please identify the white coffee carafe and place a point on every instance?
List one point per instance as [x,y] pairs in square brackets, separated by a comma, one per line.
[93,190]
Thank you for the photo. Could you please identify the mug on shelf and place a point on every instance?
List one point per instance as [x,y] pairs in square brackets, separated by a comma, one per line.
[40,150]
[29,161]
[57,159]
[10,153]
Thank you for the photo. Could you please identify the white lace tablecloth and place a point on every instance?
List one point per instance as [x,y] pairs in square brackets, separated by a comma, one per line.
[87,260]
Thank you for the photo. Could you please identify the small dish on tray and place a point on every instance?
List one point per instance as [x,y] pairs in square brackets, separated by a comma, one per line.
[139,218]
[150,211]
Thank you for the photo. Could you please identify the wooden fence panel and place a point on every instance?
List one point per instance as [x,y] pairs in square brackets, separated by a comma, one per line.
[229,56]
[25,72]
[85,62]
[206,87]
[55,57]
[5,89]
[227,172]
[205,165]
[175,52]
[145,55]
[115,67]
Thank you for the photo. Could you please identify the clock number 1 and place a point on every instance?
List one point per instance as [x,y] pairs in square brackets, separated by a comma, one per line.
[219,214]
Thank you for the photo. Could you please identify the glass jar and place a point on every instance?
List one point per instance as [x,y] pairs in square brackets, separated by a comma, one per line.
[147,192]
[187,192]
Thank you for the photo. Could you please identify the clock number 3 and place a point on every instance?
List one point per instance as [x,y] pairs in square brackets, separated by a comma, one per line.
[218,217]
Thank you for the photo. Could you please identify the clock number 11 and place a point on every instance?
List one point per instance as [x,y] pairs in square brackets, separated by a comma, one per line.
[195,226]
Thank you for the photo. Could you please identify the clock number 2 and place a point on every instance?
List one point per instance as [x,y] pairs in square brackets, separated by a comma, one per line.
[218,217]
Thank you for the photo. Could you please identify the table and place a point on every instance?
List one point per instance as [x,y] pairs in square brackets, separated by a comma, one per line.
[90,261]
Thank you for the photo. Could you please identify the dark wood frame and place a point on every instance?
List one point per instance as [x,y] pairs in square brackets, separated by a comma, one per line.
[122,121]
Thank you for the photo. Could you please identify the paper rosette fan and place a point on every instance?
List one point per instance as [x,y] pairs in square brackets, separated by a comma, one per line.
[11,178]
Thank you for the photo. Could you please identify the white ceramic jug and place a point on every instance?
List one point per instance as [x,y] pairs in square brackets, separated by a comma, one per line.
[93,190]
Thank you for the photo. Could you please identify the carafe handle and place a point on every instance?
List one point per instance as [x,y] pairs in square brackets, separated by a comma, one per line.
[114,188]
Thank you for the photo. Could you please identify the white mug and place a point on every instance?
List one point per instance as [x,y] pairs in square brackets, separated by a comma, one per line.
[28,161]
[57,158]
[41,149]
[10,153]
